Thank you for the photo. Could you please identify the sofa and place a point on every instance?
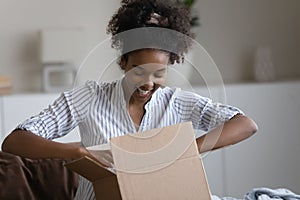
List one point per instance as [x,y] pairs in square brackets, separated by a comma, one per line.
[24,178]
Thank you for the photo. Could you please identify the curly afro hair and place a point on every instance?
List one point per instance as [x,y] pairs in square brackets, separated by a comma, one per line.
[164,14]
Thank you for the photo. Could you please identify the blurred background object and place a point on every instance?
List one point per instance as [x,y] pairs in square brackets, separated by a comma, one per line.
[264,70]
[60,51]
[5,85]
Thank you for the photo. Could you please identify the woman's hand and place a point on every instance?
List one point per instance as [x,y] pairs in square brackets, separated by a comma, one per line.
[102,155]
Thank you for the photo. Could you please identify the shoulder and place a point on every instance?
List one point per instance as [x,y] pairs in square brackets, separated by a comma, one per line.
[97,85]
[179,94]
[100,87]
[89,90]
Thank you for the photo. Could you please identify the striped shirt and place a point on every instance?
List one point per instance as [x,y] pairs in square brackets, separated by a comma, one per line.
[99,110]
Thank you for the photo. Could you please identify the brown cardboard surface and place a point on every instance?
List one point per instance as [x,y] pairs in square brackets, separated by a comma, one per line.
[135,152]
[160,164]
[102,179]
[172,182]
[156,164]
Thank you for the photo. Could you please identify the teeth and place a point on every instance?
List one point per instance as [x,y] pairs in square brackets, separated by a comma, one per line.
[143,91]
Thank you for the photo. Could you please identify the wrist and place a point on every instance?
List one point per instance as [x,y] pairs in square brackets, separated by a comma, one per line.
[73,152]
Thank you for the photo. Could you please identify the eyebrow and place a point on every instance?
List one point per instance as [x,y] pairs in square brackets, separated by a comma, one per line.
[139,67]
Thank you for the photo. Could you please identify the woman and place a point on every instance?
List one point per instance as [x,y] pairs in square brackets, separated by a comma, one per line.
[137,102]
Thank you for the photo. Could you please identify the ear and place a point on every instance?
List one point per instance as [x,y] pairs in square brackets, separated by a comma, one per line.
[123,62]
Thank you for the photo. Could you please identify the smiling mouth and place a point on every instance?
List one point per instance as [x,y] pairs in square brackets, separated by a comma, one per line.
[143,92]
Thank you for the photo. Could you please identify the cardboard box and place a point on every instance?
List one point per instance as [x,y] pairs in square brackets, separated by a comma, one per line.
[157,164]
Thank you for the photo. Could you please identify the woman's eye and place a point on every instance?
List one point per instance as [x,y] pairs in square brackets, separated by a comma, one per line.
[138,73]
[158,75]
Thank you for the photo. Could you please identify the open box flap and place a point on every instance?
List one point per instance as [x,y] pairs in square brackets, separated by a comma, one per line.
[89,169]
[135,152]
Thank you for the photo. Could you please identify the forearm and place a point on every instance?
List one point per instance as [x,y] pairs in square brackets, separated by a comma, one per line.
[235,130]
[26,144]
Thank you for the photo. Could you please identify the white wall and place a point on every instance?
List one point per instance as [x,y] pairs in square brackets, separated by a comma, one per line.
[21,20]
[231,30]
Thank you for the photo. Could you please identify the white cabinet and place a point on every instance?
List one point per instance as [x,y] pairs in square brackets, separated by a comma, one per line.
[270,158]
[19,107]
[214,168]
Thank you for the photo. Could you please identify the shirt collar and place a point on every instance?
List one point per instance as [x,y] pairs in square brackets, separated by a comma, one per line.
[119,93]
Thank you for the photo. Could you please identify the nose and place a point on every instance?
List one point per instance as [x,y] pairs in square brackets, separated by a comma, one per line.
[148,82]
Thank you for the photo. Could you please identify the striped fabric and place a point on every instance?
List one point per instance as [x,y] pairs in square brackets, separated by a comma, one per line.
[99,110]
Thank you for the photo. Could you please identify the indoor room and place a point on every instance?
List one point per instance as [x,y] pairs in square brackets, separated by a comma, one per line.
[245,53]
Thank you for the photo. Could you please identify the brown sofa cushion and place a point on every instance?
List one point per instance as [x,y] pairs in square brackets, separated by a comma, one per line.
[23,178]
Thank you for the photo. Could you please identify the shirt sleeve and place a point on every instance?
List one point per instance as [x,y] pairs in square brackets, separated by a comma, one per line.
[63,115]
[204,114]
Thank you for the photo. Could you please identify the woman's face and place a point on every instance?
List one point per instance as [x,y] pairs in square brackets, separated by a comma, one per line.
[145,72]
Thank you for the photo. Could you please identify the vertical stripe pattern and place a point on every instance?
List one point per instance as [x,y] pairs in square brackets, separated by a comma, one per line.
[99,110]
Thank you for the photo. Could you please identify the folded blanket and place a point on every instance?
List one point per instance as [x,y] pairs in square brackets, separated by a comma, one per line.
[270,194]
[264,194]
[214,197]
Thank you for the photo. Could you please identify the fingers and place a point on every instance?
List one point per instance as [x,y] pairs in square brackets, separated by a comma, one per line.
[103,157]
